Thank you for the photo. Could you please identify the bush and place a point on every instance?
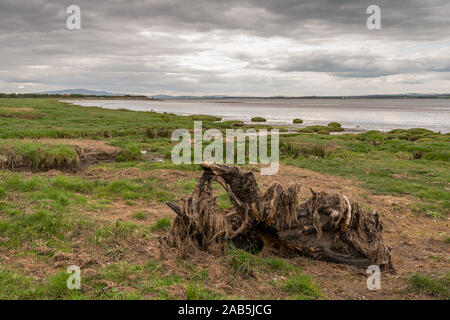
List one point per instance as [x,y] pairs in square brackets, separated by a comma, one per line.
[258,119]
[297,121]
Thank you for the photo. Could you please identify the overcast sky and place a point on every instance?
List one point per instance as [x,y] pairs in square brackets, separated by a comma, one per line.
[202,47]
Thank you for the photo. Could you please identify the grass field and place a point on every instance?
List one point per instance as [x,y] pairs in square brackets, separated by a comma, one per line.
[75,188]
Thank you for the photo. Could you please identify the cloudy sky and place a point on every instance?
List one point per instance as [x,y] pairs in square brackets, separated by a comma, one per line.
[202,47]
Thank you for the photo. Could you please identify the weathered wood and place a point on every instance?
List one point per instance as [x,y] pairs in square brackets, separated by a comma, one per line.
[327,227]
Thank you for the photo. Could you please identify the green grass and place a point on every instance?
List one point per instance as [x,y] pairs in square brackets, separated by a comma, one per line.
[301,286]
[75,189]
[204,118]
[162,224]
[197,292]
[242,262]
[139,215]
[258,119]
[37,156]
[41,227]
[432,285]
[382,163]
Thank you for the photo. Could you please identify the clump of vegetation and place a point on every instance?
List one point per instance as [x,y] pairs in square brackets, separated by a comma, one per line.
[301,286]
[234,123]
[411,134]
[297,121]
[197,292]
[311,151]
[334,125]
[373,137]
[204,118]
[130,153]
[435,286]
[38,156]
[242,262]
[139,215]
[321,129]
[158,133]
[162,224]
[258,119]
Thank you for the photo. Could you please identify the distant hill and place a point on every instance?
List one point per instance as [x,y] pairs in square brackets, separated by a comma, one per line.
[81,91]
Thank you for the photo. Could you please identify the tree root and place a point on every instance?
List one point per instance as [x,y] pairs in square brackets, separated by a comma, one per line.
[327,227]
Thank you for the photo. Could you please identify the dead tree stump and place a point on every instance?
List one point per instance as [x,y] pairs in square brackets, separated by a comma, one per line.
[327,227]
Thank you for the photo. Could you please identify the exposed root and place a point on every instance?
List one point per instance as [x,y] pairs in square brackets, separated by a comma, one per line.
[327,227]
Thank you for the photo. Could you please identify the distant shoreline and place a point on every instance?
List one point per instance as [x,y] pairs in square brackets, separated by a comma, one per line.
[353,119]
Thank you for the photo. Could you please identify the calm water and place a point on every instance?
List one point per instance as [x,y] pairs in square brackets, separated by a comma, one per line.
[356,114]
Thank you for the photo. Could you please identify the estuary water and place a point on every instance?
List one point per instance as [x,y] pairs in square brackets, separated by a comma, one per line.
[353,114]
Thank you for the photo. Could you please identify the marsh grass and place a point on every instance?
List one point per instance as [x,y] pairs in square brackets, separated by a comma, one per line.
[37,156]
[432,285]
[162,224]
[373,159]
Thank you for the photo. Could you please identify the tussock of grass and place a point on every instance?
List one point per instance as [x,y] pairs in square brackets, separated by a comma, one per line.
[434,286]
[121,230]
[130,153]
[316,150]
[258,119]
[139,215]
[242,262]
[162,224]
[277,264]
[204,118]
[197,292]
[301,286]
[158,133]
[37,156]
[321,129]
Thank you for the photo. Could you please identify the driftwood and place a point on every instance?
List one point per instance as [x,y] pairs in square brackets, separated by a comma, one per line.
[327,227]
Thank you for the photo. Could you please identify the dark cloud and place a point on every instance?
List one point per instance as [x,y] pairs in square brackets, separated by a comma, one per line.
[216,46]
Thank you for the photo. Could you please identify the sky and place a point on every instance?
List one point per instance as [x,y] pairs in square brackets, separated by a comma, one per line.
[220,47]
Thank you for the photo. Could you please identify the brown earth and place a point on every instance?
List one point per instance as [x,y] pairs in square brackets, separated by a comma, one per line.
[415,239]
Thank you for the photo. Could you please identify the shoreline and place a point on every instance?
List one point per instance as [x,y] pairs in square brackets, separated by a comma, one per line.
[270,122]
